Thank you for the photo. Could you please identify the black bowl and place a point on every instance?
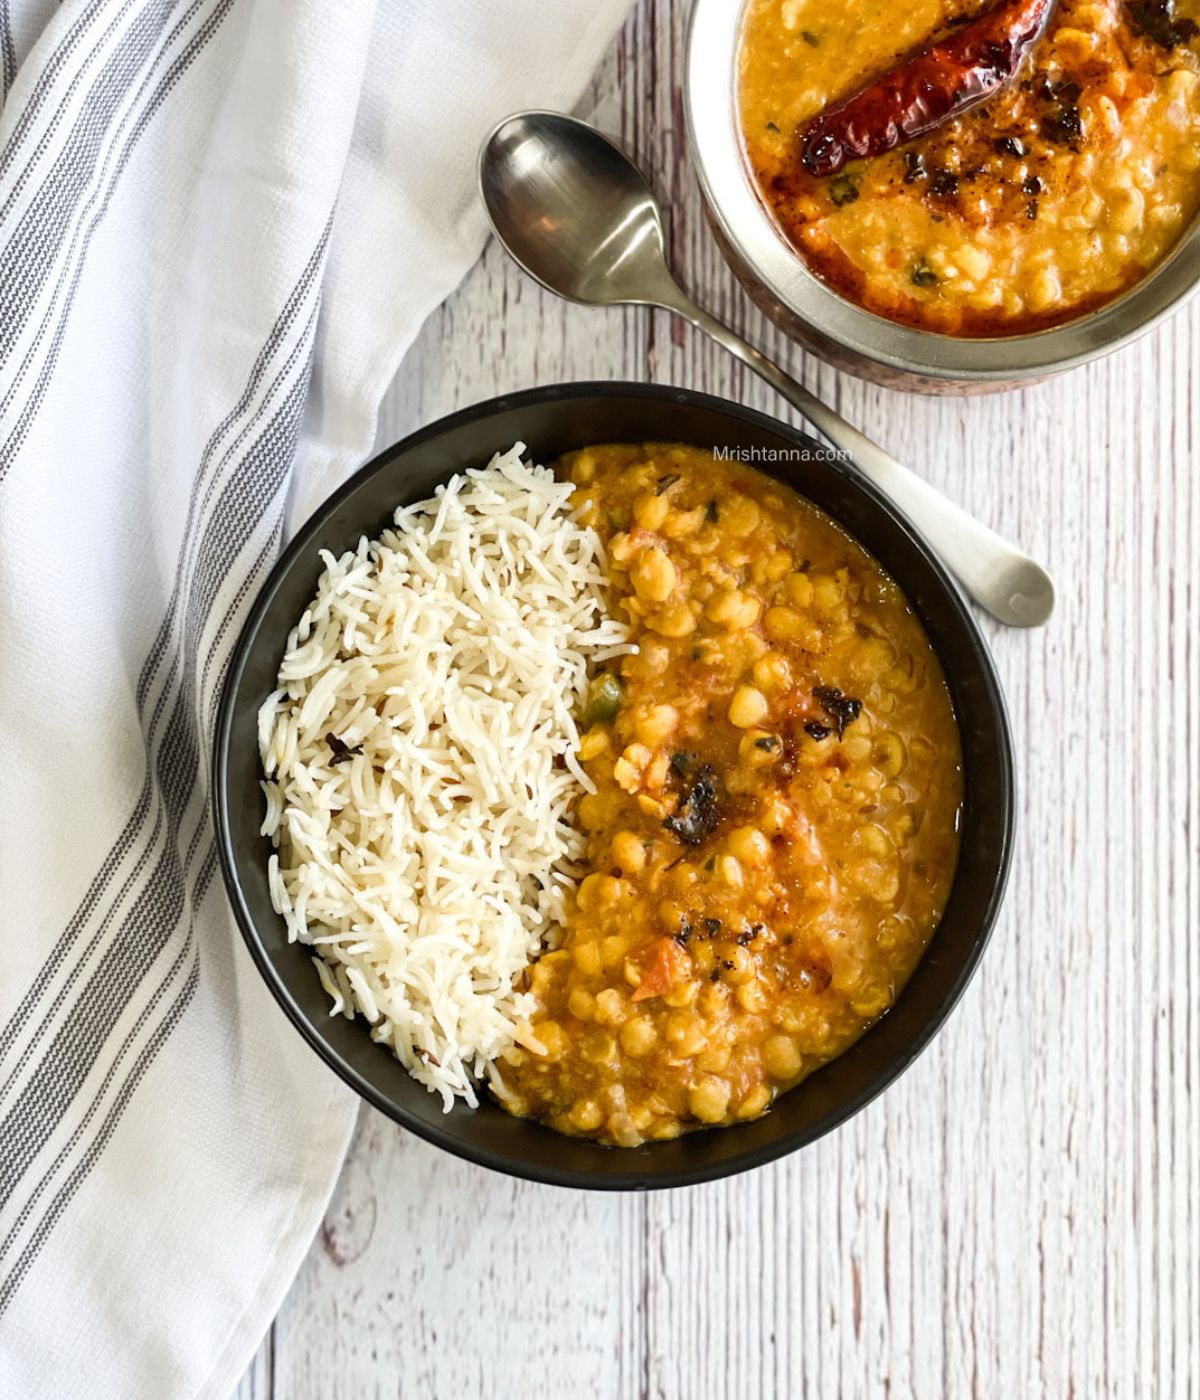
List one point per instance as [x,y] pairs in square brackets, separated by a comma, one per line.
[552,421]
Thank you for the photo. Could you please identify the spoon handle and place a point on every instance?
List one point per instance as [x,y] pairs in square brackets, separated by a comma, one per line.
[1010,585]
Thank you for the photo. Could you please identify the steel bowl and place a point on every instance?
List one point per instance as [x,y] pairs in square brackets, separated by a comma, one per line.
[552,421]
[843,333]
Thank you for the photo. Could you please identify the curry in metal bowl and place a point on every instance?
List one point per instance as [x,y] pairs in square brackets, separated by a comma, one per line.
[975,172]
[774,828]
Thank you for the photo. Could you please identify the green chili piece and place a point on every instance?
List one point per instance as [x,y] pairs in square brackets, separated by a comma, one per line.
[604,699]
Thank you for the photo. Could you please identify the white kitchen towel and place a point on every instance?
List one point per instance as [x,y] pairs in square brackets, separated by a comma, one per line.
[221,224]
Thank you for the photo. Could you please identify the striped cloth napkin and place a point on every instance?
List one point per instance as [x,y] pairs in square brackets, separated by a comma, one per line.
[221,224]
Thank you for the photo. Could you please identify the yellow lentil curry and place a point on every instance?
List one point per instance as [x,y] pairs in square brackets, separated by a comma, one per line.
[773,834]
[1055,195]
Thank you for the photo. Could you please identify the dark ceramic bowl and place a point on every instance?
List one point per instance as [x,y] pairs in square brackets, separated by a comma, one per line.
[552,421]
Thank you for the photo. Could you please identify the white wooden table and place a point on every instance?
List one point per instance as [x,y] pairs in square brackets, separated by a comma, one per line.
[1019,1215]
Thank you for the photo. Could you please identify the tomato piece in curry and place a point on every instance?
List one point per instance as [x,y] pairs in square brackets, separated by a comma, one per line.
[774,828]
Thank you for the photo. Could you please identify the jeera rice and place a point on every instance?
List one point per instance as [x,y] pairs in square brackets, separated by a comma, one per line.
[420,763]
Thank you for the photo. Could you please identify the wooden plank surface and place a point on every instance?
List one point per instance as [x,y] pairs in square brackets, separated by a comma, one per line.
[1020,1215]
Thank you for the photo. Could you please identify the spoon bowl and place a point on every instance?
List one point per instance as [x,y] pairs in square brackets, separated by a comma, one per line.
[580,218]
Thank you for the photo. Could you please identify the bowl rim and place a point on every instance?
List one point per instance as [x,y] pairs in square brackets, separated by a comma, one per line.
[714,141]
[638,1176]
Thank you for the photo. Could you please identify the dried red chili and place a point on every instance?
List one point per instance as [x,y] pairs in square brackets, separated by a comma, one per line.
[934,84]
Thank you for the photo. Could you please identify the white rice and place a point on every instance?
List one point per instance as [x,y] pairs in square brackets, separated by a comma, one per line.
[429,866]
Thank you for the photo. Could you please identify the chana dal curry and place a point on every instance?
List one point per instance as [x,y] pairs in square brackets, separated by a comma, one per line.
[774,828]
[971,169]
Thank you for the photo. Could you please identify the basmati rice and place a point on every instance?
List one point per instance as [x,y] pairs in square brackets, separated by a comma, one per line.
[420,763]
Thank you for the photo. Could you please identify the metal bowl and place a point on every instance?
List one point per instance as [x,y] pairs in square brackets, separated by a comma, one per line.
[835,328]
[552,421]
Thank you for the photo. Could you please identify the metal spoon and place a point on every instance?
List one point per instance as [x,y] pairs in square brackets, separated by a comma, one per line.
[579,217]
